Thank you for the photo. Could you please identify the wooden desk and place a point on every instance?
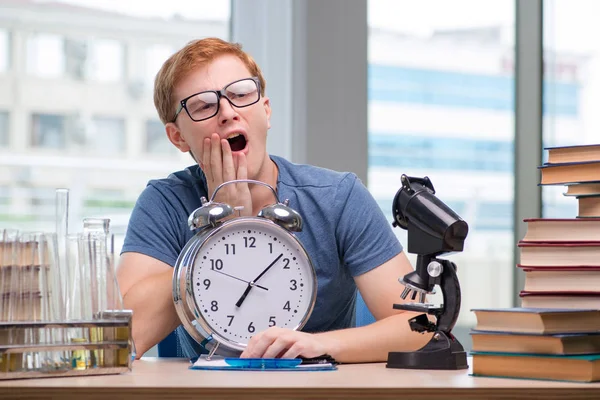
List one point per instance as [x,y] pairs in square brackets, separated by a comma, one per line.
[160,378]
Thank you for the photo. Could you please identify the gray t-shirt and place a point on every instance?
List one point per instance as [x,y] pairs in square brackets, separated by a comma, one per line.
[344,232]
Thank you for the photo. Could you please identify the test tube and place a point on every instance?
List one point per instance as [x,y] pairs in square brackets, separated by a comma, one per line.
[62,231]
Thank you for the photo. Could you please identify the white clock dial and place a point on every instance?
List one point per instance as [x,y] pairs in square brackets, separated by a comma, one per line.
[248,276]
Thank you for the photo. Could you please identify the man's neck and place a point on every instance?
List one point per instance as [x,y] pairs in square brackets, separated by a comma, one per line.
[262,196]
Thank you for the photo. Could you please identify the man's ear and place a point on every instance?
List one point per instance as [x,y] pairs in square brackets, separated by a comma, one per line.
[267,106]
[175,136]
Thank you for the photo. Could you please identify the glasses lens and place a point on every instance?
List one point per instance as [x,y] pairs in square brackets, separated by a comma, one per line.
[203,105]
[242,93]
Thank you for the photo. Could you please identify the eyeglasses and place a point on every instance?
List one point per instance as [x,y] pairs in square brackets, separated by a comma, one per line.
[205,105]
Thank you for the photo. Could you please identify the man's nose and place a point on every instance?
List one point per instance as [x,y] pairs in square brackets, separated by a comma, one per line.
[226,111]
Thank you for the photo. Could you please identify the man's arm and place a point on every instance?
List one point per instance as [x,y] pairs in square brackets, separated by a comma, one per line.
[146,286]
[380,289]
[391,332]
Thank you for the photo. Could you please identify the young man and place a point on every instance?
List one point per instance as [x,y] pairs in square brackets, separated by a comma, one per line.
[211,97]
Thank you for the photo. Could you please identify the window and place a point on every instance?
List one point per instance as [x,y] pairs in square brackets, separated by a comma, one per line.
[48,131]
[46,55]
[571,87]
[441,104]
[4,197]
[106,60]
[155,55]
[106,136]
[4,129]
[4,50]
[156,139]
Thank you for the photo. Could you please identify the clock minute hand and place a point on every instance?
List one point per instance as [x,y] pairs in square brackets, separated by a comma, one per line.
[266,269]
[251,284]
[240,279]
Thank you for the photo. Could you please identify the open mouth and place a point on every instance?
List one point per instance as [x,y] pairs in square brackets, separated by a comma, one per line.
[237,142]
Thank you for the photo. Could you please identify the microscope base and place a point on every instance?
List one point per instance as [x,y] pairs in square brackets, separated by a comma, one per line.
[441,352]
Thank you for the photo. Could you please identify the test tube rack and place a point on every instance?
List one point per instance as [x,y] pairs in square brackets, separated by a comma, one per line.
[106,349]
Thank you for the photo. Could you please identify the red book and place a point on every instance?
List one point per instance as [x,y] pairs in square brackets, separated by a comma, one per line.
[560,254]
[549,230]
[574,153]
[551,278]
[570,172]
[562,299]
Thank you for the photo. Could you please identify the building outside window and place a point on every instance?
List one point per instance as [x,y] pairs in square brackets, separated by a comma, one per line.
[48,131]
[106,136]
[156,139]
[84,100]
[46,55]
[154,56]
[4,140]
[106,60]
[4,50]
[441,105]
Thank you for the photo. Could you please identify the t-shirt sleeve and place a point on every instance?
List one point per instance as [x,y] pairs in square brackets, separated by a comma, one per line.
[366,239]
[155,226]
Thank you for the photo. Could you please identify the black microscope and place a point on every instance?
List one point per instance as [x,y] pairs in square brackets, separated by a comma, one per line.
[433,229]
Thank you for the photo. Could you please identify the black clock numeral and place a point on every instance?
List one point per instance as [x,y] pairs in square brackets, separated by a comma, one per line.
[287,263]
[214,305]
[251,328]
[249,241]
[230,319]
[294,284]
[271,248]
[229,247]
[286,306]
[206,283]
[216,264]
[272,321]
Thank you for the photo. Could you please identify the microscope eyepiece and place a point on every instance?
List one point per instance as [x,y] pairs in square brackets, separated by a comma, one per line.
[434,228]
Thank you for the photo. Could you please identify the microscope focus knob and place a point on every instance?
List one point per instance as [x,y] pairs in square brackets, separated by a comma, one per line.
[435,269]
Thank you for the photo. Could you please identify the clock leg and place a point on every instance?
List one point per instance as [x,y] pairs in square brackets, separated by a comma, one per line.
[212,351]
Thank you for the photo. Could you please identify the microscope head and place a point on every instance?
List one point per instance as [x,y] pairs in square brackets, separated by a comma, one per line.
[433,228]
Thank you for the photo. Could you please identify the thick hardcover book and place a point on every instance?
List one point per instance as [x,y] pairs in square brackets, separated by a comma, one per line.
[563,254]
[561,299]
[562,230]
[537,320]
[580,368]
[588,207]
[549,278]
[584,152]
[532,343]
[571,172]
[583,189]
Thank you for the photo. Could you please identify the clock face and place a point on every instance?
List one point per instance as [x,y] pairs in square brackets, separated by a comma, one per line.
[248,276]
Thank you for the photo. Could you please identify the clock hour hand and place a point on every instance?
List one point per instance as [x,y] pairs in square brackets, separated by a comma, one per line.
[239,279]
[251,284]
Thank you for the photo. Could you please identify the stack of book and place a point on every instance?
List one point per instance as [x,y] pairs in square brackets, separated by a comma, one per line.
[578,168]
[555,334]
[561,257]
[552,344]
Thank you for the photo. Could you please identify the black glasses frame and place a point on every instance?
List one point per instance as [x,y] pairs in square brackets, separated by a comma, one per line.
[220,94]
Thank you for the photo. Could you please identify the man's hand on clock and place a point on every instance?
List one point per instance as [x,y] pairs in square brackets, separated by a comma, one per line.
[278,342]
[220,165]
[253,283]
